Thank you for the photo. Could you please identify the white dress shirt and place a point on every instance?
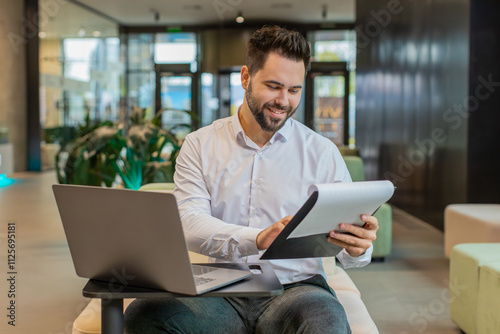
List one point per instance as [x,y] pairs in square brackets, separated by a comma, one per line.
[229,189]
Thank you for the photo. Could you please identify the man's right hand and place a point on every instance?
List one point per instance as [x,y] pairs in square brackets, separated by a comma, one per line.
[266,237]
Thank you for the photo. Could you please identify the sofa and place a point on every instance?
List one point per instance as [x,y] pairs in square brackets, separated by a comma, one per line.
[89,320]
[470,223]
[382,246]
[475,287]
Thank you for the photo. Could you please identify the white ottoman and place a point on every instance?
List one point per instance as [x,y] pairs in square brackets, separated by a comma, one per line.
[470,223]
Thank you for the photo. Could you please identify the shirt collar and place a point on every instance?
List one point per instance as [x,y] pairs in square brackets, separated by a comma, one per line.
[237,128]
[284,132]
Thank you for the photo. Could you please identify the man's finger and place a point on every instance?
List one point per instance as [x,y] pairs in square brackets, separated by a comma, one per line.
[350,249]
[350,240]
[360,232]
[371,223]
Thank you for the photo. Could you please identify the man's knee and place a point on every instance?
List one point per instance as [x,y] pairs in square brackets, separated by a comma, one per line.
[306,310]
[183,315]
[154,315]
[320,312]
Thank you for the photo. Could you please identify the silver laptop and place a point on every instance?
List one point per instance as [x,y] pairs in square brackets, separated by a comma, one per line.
[128,237]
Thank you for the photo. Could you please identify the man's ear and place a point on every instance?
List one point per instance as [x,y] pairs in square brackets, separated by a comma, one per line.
[245,77]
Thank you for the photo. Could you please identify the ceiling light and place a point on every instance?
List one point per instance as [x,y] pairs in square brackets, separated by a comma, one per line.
[156,14]
[82,32]
[240,18]
[42,34]
[96,33]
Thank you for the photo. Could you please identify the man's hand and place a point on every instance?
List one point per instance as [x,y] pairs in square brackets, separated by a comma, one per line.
[360,238]
[266,237]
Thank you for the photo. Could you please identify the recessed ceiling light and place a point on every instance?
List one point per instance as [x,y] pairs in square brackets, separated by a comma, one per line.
[42,34]
[240,18]
[96,33]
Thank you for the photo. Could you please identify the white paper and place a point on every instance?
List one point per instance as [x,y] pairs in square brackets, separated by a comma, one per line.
[342,203]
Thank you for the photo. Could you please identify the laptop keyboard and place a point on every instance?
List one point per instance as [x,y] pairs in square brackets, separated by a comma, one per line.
[198,280]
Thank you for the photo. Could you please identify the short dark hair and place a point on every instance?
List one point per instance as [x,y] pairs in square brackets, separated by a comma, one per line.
[285,42]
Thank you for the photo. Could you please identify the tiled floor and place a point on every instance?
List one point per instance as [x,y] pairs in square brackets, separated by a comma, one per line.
[406,294]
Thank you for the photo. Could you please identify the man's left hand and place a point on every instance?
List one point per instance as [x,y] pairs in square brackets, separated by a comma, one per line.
[358,239]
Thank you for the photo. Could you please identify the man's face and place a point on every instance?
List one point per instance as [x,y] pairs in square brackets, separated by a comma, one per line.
[273,93]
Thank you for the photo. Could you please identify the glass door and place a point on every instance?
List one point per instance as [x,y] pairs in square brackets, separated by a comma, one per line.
[176,95]
[328,99]
[231,92]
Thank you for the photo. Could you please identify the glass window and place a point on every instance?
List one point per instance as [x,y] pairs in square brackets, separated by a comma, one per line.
[335,45]
[329,107]
[141,91]
[140,52]
[79,57]
[175,53]
[209,100]
[175,48]
[339,45]
[80,75]
[237,92]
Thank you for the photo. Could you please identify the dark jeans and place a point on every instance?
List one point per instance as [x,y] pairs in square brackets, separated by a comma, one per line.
[310,306]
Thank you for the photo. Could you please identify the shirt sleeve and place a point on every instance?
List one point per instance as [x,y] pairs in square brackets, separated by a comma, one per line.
[355,262]
[204,233]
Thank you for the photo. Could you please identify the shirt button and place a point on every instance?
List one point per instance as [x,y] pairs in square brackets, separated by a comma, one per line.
[257,182]
[255,212]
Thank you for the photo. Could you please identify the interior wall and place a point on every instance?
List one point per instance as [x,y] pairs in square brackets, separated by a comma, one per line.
[411,95]
[483,177]
[13,79]
[223,48]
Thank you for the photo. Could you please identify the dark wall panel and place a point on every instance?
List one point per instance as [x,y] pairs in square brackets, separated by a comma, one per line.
[484,92]
[412,74]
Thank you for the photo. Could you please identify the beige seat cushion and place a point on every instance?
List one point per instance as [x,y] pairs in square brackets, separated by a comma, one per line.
[470,223]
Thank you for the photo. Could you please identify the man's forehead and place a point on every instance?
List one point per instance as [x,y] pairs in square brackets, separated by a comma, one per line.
[282,70]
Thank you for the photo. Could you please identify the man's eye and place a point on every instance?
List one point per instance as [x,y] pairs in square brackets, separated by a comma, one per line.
[294,91]
[273,87]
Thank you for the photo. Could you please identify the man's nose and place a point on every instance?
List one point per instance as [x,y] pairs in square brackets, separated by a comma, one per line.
[282,98]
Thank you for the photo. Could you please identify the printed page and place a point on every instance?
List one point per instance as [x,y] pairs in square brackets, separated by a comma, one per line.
[342,203]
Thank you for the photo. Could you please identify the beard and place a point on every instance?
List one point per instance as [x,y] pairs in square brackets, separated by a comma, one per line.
[260,113]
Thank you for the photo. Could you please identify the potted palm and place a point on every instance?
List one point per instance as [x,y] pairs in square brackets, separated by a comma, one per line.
[107,155]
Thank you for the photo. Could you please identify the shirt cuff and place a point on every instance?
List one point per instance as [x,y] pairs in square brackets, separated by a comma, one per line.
[248,241]
[349,261]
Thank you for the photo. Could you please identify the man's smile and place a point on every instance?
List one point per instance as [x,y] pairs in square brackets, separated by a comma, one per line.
[277,112]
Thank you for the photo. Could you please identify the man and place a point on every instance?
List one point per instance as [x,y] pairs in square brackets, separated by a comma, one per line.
[238,181]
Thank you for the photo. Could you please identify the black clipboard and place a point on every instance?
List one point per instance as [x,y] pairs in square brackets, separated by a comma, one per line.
[315,245]
[296,248]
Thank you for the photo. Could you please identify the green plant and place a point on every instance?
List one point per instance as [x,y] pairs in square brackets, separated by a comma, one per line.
[106,154]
